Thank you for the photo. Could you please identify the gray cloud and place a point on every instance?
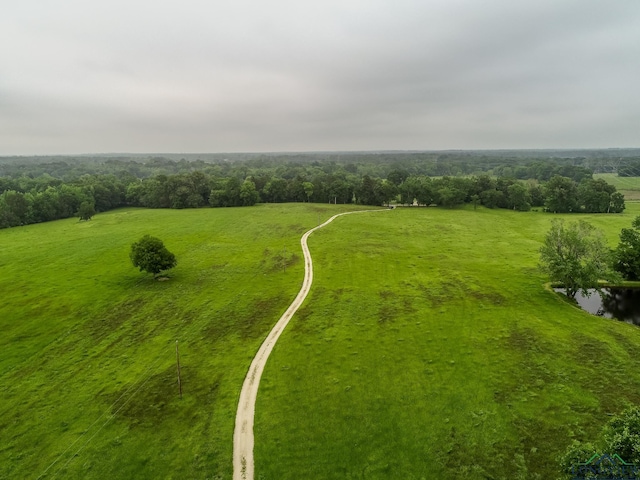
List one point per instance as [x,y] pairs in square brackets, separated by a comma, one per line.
[288,75]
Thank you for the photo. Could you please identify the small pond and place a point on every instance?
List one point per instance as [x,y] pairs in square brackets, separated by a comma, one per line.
[619,303]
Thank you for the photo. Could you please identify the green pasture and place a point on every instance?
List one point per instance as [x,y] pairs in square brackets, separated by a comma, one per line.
[628,186]
[429,348]
[87,351]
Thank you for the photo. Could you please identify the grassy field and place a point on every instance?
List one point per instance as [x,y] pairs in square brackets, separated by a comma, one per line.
[428,347]
[628,186]
[87,354]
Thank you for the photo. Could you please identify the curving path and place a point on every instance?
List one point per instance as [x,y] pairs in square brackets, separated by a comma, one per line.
[243,433]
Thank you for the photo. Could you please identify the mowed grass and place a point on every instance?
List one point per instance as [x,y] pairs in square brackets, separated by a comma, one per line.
[628,186]
[429,348]
[88,384]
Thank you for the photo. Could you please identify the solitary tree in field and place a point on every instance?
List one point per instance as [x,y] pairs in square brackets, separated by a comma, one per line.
[576,256]
[150,255]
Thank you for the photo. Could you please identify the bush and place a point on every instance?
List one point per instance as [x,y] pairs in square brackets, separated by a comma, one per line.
[620,437]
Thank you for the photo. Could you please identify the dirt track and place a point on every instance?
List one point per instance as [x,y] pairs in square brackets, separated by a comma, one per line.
[243,432]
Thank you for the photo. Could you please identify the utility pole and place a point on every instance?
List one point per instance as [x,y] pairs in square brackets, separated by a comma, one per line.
[178,362]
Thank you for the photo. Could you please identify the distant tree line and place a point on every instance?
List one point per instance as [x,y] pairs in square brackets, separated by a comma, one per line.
[39,200]
[26,199]
[521,164]
[559,194]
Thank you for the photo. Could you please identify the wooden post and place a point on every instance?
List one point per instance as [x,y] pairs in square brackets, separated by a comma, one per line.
[178,362]
[284,260]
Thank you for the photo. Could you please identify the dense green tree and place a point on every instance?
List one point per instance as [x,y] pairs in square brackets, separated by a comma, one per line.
[248,193]
[105,191]
[150,255]
[492,198]
[343,190]
[576,256]
[86,211]
[275,191]
[387,191]
[536,195]
[594,196]
[295,189]
[154,192]
[463,184]
[69,198]
[617,203]
[226,193]
[232,192]
[502,185]
[200,188]
[627,253]
[410,190]
[482,183]
[308,190]
[368,192]
[45,205]
[518,197]
[397,176]
[450,196]
[217,193]
[561,195]
[14,209]
[426,192]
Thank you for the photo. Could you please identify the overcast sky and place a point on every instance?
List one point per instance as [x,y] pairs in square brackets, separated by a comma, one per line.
[92,76]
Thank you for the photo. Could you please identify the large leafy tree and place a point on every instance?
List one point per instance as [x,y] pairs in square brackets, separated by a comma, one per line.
[369,193]
[248,193]
[150,255]
[519,198]
[627,253]
[561,195]
[576,256]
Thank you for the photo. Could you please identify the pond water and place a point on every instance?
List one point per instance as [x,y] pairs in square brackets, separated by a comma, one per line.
[619,303]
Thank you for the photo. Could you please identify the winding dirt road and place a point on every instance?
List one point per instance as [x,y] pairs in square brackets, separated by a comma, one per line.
[243,433]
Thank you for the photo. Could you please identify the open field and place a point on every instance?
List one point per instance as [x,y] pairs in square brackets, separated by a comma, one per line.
[628,186]
[86,336]
[428,347]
